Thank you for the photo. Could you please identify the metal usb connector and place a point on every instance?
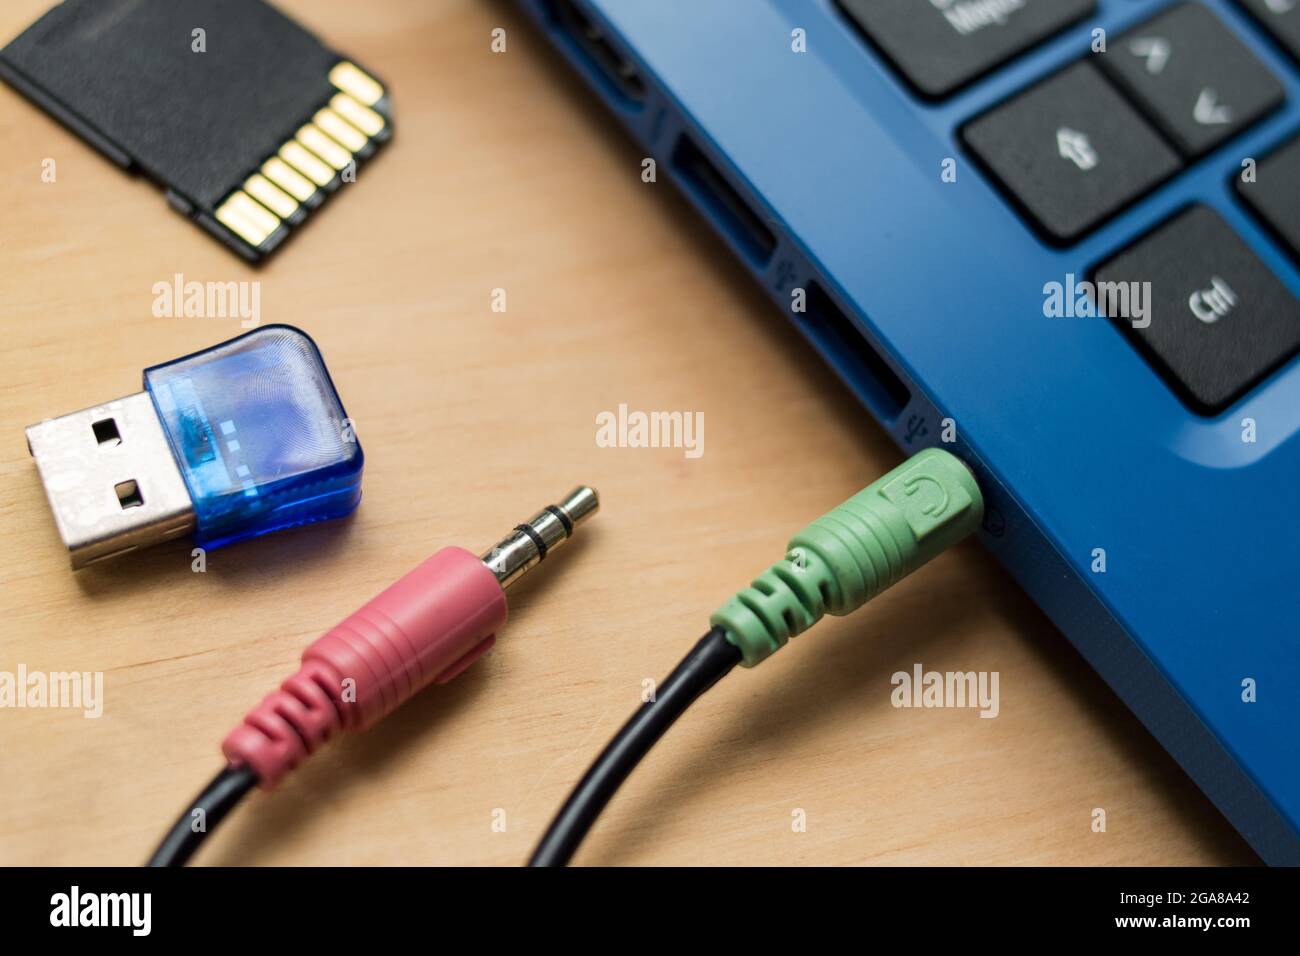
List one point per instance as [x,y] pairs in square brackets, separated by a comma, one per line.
[111,479]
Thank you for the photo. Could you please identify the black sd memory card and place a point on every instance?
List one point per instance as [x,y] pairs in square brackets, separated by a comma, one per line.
[245,118]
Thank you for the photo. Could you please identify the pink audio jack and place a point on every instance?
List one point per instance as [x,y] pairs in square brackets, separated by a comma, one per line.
[426,628]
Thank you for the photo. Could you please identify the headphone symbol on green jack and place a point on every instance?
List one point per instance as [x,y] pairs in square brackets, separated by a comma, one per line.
[926,500]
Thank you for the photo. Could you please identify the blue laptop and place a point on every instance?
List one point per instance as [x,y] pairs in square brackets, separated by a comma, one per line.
[1064,237]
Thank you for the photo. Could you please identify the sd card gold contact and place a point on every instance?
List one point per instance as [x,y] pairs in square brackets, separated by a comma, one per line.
[245,118]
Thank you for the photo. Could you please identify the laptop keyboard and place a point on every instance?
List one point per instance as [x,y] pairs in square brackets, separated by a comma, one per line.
[1221,318]
[1281,18]
[1075,149]
[942,45]
[1071,151]
[1193,79]
[1275,193]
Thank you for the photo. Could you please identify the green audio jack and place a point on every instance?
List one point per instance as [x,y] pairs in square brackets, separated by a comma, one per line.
[852,553]
[833,566]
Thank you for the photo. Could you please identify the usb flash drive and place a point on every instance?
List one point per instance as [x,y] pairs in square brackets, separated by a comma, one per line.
[243,438]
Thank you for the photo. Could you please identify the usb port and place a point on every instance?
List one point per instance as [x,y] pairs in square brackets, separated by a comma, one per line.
[866,370]
[591,39]
[737,219]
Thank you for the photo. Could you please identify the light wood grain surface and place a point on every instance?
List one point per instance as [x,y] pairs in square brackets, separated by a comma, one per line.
[506,174]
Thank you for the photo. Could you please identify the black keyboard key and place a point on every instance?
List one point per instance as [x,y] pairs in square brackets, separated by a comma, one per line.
[1193,78]
[940,45]
[1275,193]
[1071,151]
[1219,320]
[1281,18]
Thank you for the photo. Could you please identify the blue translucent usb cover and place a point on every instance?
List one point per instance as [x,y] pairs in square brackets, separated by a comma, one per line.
[259,434]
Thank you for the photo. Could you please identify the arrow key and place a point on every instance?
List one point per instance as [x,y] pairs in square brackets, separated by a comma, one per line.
[1193,78]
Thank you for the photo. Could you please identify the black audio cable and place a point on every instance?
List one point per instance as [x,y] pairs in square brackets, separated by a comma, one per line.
[833,566]
[711,660]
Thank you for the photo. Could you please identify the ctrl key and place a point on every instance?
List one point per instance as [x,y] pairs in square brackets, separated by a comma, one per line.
[1218,319]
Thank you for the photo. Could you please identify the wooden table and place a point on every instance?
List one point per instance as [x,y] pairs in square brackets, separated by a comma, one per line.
[505,174]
